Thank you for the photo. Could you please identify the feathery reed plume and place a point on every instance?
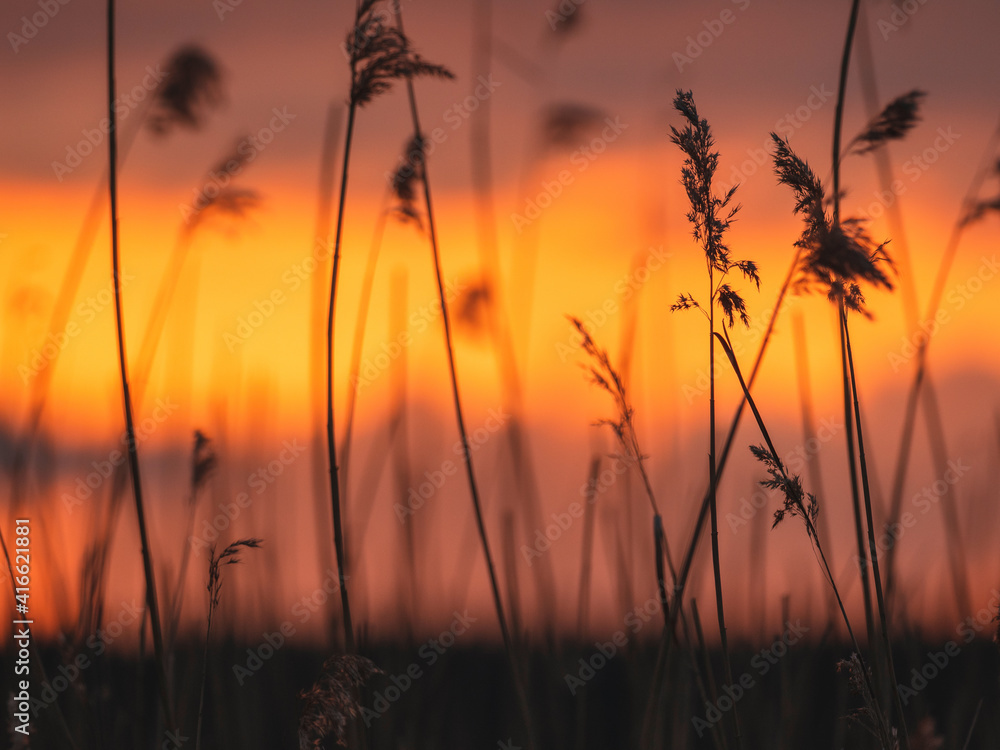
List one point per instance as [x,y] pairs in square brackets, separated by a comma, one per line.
[836,253]
[381,54]
[230,200]
[210,201]
[836,256]
[194,97]
[869,715]
[562,127]
[405,180]
[711,217]
[333,701]
[603,374]
[834,262]
[473,307]
[566,124]
[193,85]
[229,556]
[892,123]
[377,55]
[796,503]
[983,207]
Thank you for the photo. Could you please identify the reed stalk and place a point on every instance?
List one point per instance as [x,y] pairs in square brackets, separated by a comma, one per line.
[133,457]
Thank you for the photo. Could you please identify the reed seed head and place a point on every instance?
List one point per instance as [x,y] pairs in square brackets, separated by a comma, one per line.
[404,181]
[192,86]
[203,462]
[868,716]
[891,124]
[472,308]
[333,700]
[984,207]
[710,214]
[835,257]
[228,200]
[229,556]
[568,124]
[797,502]
[603,374]
[380,54]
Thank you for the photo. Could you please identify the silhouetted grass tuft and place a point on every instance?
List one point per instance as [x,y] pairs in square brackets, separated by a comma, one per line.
[333,700]
[836,255]
[381,54]
[891,124]
[193,84]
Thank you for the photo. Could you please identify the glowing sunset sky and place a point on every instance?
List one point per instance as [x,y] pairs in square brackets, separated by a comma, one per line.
[607,216]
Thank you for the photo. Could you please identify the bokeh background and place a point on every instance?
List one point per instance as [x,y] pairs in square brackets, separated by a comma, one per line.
[591,225]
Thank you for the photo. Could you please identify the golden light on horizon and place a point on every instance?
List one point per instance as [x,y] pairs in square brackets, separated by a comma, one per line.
[557,193]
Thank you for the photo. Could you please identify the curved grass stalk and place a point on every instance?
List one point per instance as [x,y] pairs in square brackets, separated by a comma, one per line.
[133,456]
[459,417]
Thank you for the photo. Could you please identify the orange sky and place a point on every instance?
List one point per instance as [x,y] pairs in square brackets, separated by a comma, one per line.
[611,212]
